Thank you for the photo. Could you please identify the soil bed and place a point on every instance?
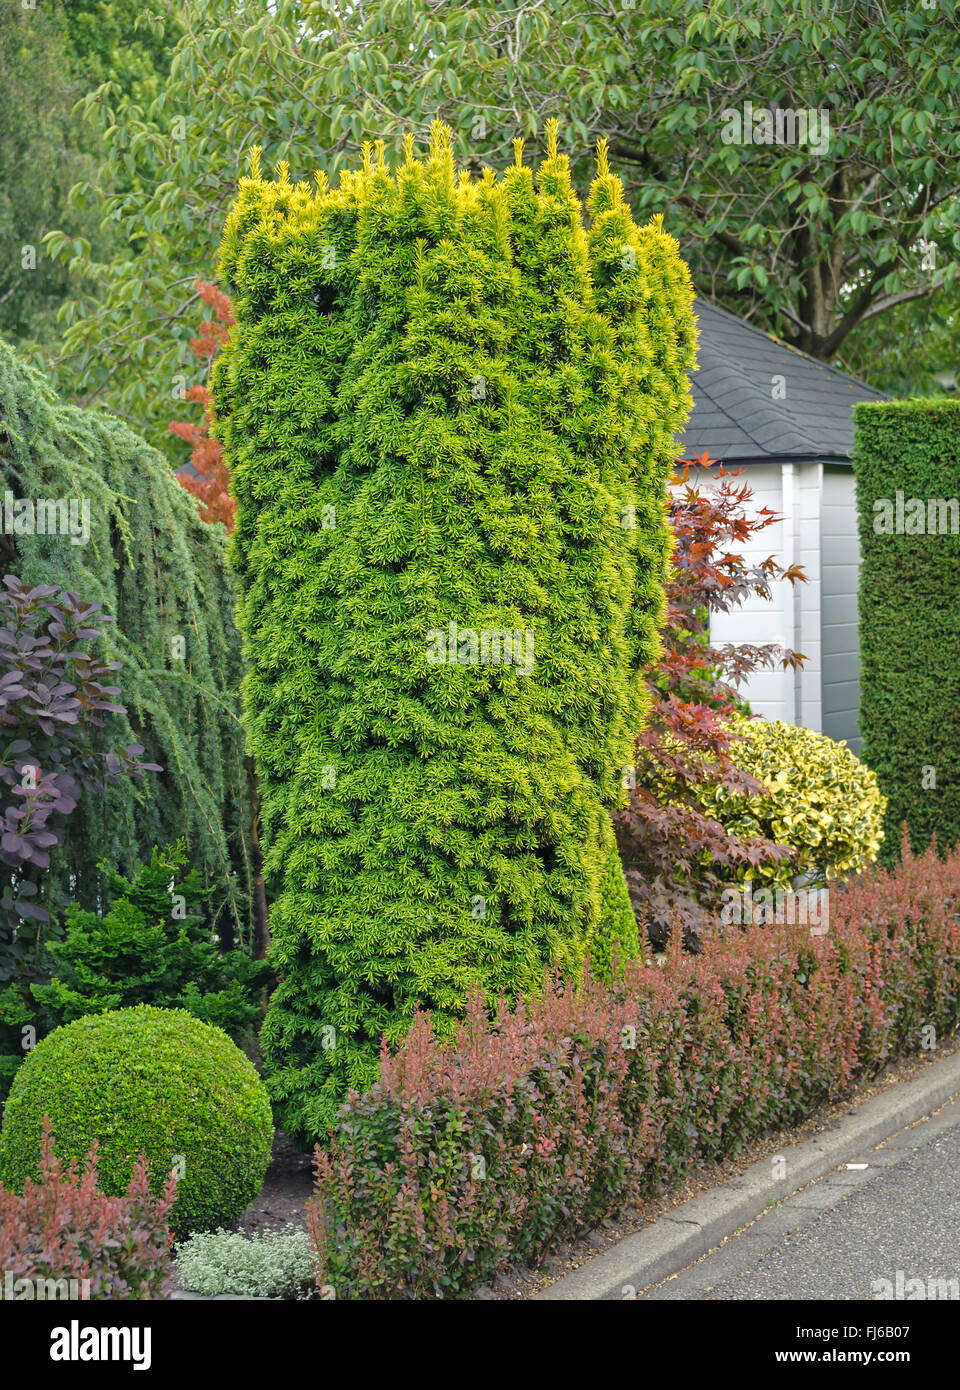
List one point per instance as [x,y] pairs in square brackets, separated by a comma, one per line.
[286,1189]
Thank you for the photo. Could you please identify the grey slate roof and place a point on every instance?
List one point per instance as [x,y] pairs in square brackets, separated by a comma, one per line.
[735,416]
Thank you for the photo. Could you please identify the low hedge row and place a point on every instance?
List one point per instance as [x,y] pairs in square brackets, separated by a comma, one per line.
[479,1151]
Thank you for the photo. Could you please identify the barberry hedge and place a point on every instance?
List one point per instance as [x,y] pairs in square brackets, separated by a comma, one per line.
[907,465]
[473,1153]
[449,408]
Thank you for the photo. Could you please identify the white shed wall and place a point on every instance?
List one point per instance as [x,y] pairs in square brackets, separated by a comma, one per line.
[792,618]
[841,572]
[808,597]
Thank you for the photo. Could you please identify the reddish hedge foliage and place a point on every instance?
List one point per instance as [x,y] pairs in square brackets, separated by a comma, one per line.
[484,1149]
[64,1227]
[211,486]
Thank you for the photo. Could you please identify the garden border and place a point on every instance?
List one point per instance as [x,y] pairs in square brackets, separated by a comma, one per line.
[692,1229]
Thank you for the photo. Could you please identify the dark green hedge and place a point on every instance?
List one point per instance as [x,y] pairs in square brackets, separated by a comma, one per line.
[910,612]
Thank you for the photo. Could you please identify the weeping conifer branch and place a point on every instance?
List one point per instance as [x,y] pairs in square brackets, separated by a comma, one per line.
[160,571]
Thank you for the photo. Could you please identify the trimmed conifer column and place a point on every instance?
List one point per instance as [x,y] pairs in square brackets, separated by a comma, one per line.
[449,409]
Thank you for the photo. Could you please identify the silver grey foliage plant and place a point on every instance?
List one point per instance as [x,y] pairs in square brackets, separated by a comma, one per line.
[275,1264]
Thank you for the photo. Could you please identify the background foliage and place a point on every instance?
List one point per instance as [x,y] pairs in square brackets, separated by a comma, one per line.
[52,55]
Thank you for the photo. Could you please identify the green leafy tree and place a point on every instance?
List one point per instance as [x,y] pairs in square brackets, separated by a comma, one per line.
[121,42]
[51,56]
[38,164]
[912,351]
[449,411]
[806,240]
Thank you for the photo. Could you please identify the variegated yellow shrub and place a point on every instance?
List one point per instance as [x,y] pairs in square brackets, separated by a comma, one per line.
[821,800]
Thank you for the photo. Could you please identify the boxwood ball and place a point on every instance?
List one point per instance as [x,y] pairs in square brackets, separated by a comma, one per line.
[156,1080]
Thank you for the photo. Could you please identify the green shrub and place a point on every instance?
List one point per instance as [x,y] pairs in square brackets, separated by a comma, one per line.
[152,945]
[276,1264]
[449,413]
[822,802]
[155,1080]
[907,465]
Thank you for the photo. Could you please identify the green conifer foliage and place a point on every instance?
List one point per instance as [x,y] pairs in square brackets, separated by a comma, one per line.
[449,412]
[162,574]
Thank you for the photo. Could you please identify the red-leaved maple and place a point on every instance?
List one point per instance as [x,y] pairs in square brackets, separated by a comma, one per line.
[677,859]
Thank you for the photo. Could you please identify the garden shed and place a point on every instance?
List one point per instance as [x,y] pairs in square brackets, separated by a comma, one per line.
[787,420]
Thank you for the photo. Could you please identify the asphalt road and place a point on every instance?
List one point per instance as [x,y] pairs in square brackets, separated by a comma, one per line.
[896,1220]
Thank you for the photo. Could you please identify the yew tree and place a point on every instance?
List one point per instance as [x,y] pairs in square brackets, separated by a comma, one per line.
[448,407]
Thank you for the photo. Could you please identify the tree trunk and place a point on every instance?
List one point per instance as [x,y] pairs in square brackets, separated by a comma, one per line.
[258,906]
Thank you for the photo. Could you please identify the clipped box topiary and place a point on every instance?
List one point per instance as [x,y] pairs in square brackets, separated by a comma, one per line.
[152,1080]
